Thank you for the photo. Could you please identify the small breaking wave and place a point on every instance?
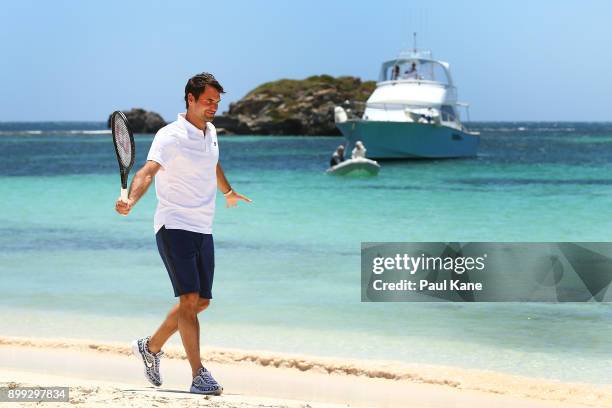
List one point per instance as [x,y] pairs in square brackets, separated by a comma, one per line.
[90,132]
[54,132]
[523,129]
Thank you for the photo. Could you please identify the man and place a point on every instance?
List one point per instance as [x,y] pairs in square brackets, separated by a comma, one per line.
[359,152]
[337,156]
[412,73]
[396,72]
[184,161]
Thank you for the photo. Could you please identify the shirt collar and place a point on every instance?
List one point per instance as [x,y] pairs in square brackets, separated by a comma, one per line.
[190,126]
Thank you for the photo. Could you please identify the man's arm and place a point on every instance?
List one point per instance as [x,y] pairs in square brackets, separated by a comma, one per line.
[232,197]
[140,183]
[222,183]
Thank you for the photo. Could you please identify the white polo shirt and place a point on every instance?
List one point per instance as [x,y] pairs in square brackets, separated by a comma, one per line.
[186,185]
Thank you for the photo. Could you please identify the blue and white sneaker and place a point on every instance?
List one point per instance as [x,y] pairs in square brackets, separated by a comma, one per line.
[204,383]
[140,348]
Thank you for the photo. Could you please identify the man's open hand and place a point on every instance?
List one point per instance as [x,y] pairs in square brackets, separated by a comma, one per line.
[232,199]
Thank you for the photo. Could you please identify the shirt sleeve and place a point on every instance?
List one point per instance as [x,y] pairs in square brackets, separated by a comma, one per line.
[163,149]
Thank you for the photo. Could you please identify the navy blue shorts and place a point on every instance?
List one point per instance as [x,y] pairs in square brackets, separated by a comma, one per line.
[190,260]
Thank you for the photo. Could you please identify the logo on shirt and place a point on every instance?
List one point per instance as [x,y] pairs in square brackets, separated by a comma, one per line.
[215,144]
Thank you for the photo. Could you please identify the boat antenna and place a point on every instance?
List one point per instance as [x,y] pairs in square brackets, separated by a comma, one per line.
[414,41]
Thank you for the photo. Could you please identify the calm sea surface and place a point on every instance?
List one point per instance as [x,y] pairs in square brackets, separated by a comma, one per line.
[288,265]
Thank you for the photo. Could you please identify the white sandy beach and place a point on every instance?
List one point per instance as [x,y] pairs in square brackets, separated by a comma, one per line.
[106,374]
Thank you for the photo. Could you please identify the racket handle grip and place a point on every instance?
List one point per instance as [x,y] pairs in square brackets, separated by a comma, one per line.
[124,195]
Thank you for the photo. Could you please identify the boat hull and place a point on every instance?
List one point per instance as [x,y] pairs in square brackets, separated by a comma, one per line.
[355,167]
[408,140]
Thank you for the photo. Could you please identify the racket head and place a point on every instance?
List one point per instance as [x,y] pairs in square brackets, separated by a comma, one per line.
[123,140]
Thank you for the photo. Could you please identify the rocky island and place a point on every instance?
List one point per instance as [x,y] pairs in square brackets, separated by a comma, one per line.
[283,107]
[293,107]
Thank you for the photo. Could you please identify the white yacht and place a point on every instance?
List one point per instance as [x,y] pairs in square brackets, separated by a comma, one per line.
[412,113]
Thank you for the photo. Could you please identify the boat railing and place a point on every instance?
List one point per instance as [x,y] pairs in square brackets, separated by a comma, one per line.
[391,107]
[356,110]
[446,117]
[388,107]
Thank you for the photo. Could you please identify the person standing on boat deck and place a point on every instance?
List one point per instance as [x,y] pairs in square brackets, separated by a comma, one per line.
[183,158]
[412,73]
[337,157]
[396,72]
[359,151]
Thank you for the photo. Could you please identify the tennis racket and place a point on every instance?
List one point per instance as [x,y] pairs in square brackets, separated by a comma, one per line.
[123,139]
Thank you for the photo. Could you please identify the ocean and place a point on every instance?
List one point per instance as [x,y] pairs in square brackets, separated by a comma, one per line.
[288,265]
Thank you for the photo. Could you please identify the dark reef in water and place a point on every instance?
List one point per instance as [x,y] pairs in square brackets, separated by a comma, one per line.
[142,121]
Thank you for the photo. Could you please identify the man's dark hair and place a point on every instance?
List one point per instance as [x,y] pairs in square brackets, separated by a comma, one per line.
[197,84]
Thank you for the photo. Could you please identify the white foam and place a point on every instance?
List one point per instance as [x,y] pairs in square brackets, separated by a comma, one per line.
[90,132]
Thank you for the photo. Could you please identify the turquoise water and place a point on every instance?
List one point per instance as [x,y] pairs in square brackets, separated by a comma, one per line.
[288,265]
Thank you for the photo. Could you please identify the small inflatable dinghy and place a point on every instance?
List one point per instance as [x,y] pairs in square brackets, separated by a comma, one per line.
[359,166]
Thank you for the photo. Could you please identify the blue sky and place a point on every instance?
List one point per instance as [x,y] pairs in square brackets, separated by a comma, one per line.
[511,60]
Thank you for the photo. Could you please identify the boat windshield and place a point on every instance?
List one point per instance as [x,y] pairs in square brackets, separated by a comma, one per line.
[414,69]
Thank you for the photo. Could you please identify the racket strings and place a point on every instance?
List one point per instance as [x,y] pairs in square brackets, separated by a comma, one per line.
[124,143]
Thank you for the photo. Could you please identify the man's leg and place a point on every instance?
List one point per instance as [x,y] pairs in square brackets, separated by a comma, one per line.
[189,328]
[170,326]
